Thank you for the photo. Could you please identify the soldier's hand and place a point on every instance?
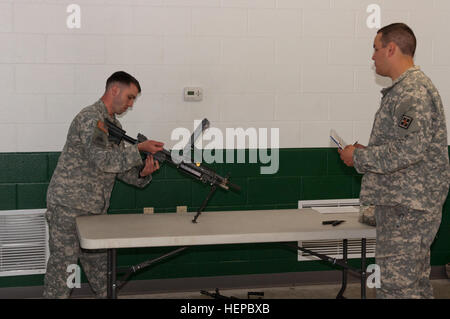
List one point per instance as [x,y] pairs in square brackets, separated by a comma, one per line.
[150,146]
[359,146]
[347,155]
[151,165]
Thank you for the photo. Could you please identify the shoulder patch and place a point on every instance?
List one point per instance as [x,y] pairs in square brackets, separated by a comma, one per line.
[100,138]
[405,121]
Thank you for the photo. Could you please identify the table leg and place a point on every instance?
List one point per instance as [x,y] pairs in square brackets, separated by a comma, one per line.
[363,268]
[111,274]
[344,270]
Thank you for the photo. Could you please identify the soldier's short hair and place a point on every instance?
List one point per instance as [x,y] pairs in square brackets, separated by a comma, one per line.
[124,78]
[401,35]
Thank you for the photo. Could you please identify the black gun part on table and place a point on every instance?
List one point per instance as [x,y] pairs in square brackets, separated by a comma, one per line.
[184,164]
[333,222]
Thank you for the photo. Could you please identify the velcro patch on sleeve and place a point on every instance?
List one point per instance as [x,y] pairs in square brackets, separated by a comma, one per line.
[99,138]
[405,122]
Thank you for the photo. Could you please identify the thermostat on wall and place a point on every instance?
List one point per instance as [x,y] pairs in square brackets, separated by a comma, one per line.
[193,94]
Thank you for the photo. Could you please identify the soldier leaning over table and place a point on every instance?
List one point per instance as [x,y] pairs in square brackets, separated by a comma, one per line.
[83,180]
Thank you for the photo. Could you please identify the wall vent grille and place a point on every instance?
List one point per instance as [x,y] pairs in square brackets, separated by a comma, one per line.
[23,242]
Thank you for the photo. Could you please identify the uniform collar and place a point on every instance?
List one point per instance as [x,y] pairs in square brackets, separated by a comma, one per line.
[405,74]
[101,107]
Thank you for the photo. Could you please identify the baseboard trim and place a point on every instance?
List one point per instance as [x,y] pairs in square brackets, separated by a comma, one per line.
[209,283]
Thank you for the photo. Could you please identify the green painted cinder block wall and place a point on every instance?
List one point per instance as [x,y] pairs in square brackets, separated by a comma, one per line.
[304,174]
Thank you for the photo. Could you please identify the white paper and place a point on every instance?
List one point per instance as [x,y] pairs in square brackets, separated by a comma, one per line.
[337,138]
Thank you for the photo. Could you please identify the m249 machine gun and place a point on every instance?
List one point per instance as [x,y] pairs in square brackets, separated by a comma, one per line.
[184,164]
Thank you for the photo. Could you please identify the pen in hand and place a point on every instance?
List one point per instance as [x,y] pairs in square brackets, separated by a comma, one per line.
[339,145]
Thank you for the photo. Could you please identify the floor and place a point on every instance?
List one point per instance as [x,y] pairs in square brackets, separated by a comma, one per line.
[441,291]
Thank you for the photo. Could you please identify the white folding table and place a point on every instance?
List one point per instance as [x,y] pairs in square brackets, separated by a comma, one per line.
[116,231]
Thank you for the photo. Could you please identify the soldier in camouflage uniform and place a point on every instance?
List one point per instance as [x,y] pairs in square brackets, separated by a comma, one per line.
[83,181]
[405,167]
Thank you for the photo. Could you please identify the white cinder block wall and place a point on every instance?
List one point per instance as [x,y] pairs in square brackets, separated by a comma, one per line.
[303,66]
